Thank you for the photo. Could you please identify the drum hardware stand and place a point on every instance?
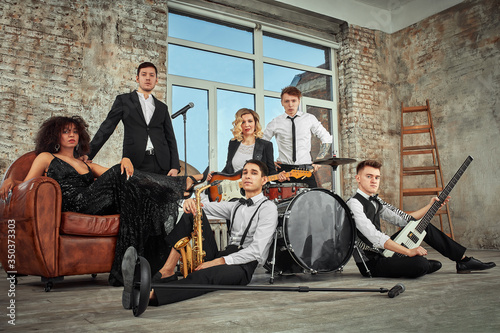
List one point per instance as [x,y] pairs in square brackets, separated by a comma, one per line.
[363,260]
[277,233]
[273,261]
[142,286]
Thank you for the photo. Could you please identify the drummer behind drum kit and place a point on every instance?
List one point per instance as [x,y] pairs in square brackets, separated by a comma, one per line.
[316,233]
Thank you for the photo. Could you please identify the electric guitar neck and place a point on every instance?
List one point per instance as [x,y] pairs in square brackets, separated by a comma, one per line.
[414,232]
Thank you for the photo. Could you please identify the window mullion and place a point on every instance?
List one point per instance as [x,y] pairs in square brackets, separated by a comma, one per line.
[293,65]
[210,48]
[212,125]
[259,72]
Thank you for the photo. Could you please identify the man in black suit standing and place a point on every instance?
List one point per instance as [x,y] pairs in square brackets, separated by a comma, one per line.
[149,140]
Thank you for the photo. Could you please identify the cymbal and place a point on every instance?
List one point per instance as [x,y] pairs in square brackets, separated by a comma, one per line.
[335,161]
[191,170]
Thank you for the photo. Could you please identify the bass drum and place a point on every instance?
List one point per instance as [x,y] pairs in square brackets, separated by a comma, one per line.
[316,233]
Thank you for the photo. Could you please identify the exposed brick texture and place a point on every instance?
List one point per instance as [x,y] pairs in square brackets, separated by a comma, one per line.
[451,59]
[74,57]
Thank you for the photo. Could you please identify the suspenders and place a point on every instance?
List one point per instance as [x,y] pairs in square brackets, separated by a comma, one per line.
[249,223]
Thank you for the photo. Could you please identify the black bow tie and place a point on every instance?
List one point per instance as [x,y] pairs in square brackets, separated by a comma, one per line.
[247,202]
[374,197]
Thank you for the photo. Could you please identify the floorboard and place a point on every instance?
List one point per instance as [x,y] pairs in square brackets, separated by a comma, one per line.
[443,301]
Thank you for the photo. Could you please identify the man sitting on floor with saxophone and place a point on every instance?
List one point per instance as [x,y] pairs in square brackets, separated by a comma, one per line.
[252,224]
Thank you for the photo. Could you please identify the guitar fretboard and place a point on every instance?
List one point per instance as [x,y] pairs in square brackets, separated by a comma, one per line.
[443,195]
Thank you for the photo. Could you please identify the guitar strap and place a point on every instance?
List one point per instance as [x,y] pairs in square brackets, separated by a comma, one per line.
[398,211]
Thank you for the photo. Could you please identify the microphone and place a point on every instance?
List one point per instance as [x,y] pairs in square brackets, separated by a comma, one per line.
[396,290]
[183,110]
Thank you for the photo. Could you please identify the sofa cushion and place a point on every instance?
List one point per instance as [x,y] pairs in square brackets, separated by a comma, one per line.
[89,225]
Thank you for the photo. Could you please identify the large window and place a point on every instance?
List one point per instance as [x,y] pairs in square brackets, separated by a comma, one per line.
[223,65]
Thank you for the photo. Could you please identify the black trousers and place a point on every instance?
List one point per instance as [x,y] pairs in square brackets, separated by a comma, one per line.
[412,267]
[310,181]
[216,275]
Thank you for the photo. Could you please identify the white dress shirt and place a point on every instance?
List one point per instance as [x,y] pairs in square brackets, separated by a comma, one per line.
[305,125]
[366,227]
[259,237]
[148,108]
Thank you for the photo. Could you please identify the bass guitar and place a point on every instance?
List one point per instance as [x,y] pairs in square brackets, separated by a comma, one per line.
[230,185]
[414,232]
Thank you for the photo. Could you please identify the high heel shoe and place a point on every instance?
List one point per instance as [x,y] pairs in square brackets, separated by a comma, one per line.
[190,191]
[205,175]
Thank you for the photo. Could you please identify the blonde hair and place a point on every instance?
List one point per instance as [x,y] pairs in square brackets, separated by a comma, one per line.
[237,133]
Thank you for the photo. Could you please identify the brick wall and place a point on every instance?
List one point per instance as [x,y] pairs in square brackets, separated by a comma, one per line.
[451,59]
[74,57]
[65,58]
[368,121]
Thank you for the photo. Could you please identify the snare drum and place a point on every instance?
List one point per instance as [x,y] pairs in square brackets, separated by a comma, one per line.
[283,191]
[316,233]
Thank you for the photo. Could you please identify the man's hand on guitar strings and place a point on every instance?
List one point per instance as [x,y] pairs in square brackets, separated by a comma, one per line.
[434,199]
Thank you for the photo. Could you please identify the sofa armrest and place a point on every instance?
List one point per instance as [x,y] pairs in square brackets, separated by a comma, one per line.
[34,209]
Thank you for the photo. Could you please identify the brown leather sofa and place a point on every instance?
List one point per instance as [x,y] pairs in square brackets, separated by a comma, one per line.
[46,242]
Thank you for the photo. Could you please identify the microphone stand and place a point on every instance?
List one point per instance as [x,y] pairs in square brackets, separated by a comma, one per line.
[142,285]
[184,110]
[185,144]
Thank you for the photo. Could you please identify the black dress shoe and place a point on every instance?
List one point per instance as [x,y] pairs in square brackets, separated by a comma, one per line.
[128,269]
[468,265]
[158,279]
[434,266]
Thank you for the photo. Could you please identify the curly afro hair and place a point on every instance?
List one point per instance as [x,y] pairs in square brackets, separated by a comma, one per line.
[49,134]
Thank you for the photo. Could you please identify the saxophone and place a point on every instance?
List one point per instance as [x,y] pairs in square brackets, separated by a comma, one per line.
[192,256]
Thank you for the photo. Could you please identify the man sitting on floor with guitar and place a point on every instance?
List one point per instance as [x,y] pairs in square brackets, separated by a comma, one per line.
[398,260]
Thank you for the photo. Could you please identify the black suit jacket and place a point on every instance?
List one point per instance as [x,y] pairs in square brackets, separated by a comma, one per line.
[263,151]
[127,109]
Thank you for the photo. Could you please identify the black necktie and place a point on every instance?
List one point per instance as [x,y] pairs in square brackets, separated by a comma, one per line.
[374,197]
[247,202]
[294,144]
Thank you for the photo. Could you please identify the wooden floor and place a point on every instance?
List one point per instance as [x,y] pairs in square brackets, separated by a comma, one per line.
[440,302]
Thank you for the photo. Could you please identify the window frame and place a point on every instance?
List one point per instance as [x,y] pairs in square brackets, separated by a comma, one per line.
[259,28]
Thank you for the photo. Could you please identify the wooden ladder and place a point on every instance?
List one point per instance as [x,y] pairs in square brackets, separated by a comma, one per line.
[429,157]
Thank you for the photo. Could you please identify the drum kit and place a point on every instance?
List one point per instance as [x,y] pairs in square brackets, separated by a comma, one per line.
[316,233]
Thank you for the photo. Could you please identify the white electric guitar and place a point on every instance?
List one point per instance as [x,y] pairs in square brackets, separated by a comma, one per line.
[414,232]
[230,185]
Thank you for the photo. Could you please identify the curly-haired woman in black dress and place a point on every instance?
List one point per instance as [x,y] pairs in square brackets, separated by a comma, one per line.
[147,203]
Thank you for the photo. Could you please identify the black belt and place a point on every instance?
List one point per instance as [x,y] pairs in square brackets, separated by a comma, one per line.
[150,151]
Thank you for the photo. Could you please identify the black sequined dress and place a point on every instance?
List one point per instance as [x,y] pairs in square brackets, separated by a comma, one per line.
[147,204]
